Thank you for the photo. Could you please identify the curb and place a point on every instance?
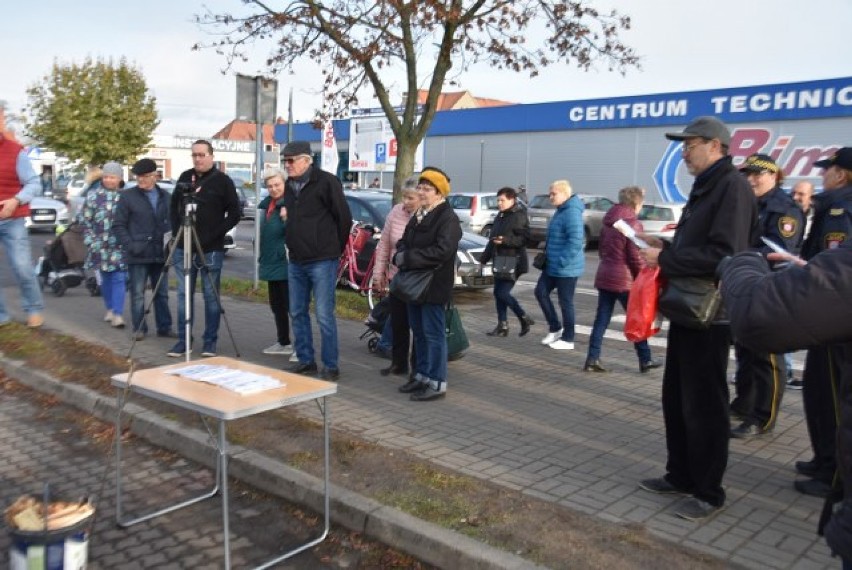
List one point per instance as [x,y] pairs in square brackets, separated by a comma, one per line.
[426,541]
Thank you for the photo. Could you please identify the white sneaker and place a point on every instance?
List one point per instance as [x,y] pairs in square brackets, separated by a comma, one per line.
[118,321]
[562,345]
[108,316]
[551,337]
[294,357]
[278,348]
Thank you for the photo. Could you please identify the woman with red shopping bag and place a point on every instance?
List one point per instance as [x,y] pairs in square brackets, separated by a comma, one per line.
[620,263]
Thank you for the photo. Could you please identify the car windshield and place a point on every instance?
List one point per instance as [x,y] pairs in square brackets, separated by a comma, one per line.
[541,202]
[657,214]
[382,205]
[460,201]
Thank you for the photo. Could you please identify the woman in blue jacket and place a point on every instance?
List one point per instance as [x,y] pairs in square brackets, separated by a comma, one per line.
[565,264]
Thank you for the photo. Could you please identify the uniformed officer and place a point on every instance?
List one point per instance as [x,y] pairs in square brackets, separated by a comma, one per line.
[832,225]
[761,376]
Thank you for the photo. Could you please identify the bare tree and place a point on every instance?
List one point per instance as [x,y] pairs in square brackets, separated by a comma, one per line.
[360,43]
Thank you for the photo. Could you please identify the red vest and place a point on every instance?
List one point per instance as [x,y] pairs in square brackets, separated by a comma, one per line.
[10,185]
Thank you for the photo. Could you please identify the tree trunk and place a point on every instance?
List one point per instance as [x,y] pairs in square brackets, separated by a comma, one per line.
[406,150]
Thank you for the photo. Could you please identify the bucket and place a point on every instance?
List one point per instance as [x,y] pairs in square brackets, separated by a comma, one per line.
[62,549]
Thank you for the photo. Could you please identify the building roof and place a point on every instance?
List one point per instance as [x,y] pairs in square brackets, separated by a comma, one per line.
[244,131]
[448,101]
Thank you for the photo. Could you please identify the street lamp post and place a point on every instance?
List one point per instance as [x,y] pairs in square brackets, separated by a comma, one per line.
[481,163]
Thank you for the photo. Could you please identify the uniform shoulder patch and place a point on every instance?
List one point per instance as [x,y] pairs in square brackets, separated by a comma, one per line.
[788,226]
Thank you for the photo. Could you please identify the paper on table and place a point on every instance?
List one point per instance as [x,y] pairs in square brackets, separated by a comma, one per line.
[229,378]
[630,234]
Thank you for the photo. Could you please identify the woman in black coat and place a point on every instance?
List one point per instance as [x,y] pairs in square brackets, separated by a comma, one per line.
[430,242]
[508,240]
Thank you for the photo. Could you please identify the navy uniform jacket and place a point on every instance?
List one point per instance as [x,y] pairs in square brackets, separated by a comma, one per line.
[780,220]
[832,223]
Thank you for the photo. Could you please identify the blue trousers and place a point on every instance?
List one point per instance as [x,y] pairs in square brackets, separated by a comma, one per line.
[16,241]
[212,310]
[427,322]
[319,278]
[603,316]
[504,300]
[565,293]
[141,275]
[113,290]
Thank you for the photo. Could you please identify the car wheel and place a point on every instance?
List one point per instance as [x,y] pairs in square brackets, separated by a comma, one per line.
[486,231]
[587,237]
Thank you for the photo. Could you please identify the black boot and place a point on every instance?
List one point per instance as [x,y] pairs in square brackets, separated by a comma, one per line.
[526,323]
[502,329]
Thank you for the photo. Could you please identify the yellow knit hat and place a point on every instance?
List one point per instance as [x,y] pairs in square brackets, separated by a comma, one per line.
[437,179]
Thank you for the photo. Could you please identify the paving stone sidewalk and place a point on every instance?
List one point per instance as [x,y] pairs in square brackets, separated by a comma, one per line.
[522,415]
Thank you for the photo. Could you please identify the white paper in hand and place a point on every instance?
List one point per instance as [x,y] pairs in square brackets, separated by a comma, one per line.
[630,234]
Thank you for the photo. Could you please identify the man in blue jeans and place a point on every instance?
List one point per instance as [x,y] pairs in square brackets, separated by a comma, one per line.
[140,225]
[217,210]
[18,185]
[318,225]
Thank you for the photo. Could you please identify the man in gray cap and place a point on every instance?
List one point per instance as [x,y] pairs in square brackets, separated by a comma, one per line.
[141,222]
[717,221]
[318,225]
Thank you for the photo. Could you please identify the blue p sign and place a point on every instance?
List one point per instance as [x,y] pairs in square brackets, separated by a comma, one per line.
[381,153]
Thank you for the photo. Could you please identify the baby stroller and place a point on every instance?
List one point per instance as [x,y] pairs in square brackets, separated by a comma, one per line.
[61,266]
[375,322]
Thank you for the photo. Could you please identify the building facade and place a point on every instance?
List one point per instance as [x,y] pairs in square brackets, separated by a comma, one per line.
[602,145]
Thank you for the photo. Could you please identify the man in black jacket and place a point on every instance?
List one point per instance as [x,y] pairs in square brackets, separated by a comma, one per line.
[141,222]
[718,220]
[803,307]
[217,210]
[318,225]
[832,226]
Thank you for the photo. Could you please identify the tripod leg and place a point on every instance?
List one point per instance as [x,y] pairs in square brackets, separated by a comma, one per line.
[214,287]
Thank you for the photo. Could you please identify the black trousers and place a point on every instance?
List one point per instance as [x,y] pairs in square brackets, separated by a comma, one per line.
[695,410]
[760,381]
[279,302]
[821,381]
[401,334]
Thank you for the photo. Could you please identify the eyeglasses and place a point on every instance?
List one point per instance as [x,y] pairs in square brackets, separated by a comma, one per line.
[685,148]
[199,154]
[425,187]
[292,159]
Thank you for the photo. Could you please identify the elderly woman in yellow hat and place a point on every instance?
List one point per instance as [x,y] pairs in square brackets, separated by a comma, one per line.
[430,242]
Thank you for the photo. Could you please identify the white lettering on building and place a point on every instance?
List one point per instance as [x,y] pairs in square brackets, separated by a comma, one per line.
[622,111]
[783,100]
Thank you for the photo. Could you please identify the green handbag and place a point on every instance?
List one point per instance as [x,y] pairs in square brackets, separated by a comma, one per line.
[457,341]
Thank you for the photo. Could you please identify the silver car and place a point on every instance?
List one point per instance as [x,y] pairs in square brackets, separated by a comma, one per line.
[476,211]
[46,214]
[540,212]
[660,220]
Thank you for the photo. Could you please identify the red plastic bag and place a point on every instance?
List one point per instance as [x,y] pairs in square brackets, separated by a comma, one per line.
[642,321]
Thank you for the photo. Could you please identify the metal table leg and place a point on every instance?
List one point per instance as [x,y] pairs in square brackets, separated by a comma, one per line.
[118,505]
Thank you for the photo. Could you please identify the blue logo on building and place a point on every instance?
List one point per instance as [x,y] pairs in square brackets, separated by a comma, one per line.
[665,175]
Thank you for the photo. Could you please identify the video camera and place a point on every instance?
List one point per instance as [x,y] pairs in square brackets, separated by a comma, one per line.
[184,188]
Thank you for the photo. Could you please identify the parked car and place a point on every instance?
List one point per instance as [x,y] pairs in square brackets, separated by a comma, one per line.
[541,211]
[250,206]
[476,211]
[372,207]
[46,214]
[75,187]
[660,220]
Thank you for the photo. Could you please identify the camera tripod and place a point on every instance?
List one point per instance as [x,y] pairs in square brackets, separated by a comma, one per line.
[187,236]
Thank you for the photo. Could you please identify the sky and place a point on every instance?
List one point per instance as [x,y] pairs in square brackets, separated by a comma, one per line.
[684,46]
